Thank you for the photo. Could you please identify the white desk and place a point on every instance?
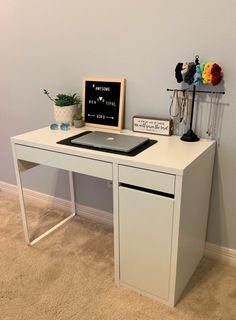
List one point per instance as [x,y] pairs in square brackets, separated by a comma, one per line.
[160,203]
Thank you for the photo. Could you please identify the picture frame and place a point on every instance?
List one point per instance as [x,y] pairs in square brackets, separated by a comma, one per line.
[103,102]
[152,125]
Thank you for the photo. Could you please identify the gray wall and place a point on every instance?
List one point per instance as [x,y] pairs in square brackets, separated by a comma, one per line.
[53,44]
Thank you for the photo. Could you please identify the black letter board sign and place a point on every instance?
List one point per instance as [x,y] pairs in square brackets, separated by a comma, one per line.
[103,102]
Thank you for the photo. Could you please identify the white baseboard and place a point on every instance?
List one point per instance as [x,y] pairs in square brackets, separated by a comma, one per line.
[211,250]
[223,254]
[90,213]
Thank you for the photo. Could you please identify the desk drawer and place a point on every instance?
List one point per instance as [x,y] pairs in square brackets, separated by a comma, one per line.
[149,179]
[68,162]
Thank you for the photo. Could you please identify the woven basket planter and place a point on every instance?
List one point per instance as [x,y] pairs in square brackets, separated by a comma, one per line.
[65,114]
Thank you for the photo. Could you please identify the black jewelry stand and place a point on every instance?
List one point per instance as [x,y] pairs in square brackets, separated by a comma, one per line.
[190,136]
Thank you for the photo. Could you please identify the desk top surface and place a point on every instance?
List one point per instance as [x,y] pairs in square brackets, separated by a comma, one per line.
[170,154]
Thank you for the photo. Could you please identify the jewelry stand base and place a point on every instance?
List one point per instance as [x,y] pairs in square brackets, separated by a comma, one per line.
[190,136]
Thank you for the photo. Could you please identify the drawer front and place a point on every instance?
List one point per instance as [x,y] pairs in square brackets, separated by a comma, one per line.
[87,166]
[149,179]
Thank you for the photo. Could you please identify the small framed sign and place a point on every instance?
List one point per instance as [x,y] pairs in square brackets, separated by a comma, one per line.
[152,125]
[103,102]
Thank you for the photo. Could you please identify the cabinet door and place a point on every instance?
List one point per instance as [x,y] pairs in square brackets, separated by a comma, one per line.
[145,221]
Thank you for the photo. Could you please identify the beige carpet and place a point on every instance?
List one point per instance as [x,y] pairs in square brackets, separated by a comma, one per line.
[69,275]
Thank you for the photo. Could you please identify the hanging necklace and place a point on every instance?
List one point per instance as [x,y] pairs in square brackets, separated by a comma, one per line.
[174,108]
[182,107]
[216,117]
[209,118]
[186,109]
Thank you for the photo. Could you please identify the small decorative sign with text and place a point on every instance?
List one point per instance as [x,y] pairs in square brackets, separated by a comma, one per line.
[152,125]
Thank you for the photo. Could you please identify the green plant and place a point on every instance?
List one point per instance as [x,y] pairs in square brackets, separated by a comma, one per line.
[63,100]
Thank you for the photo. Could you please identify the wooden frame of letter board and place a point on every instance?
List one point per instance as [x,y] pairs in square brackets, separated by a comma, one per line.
[121,102]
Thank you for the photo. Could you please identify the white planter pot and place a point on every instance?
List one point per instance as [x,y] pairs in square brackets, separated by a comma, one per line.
[65,114]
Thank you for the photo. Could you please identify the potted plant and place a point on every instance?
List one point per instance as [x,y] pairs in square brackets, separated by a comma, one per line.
[65,106]
[78,120]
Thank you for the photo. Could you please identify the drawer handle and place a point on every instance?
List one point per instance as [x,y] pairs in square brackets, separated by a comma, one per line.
[159,193]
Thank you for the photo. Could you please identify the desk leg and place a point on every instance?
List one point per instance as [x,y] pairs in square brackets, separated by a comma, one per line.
[72,192]
[17,163]
[116,222]
[21,196]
